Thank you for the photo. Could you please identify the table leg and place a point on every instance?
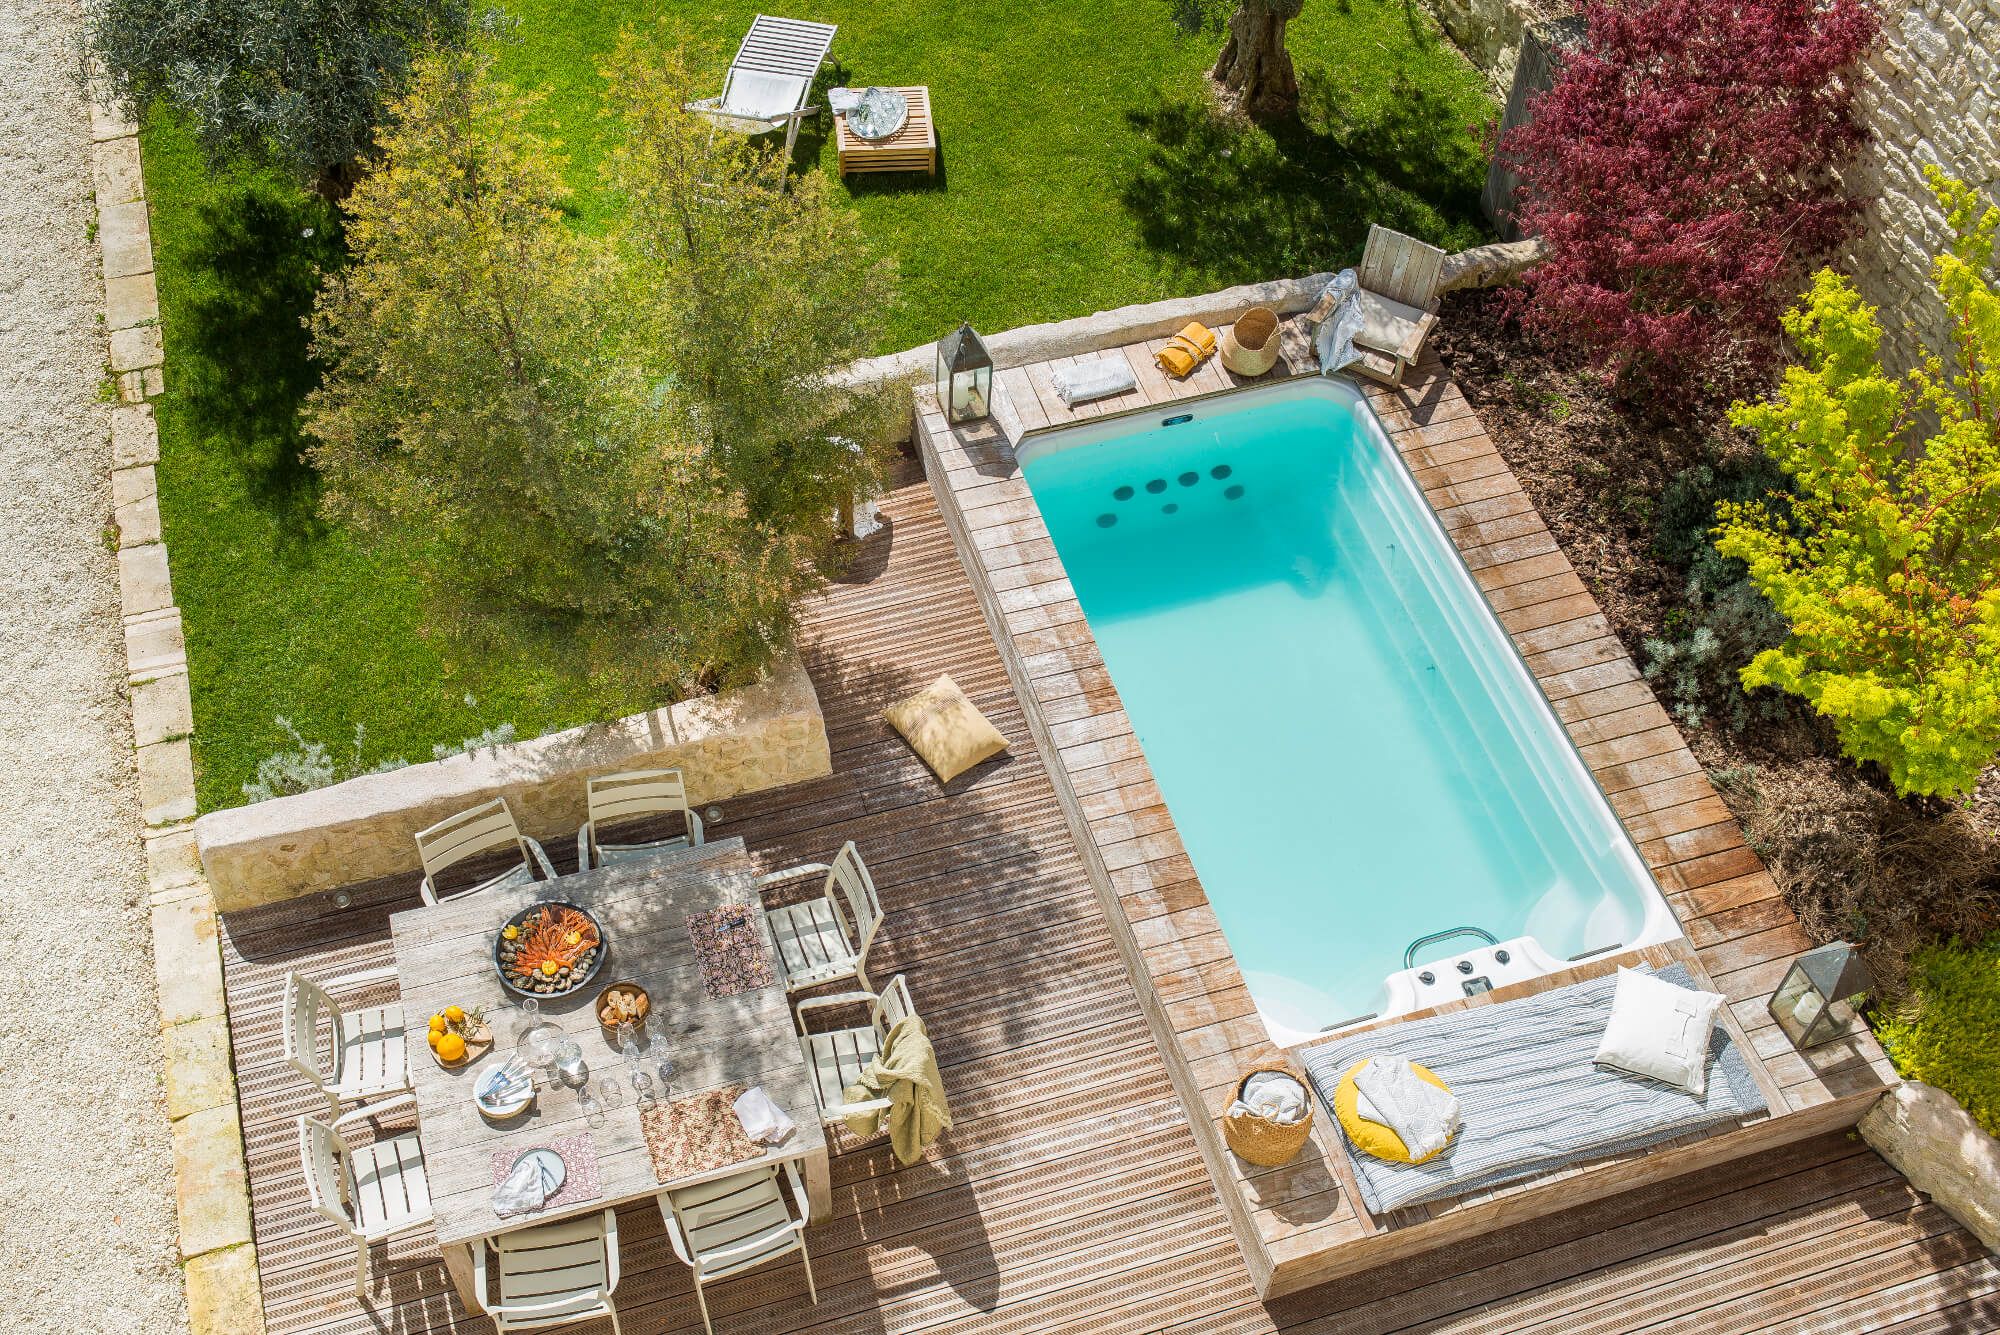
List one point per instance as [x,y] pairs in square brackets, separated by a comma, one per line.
[458,1262]
[819,1185]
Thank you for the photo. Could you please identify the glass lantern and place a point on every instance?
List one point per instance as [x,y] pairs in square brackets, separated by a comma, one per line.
[1817,1001]
[964,375]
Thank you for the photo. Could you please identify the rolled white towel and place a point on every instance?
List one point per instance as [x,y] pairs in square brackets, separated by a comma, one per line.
[1092,379]
[1390,1091]
[1272,1095]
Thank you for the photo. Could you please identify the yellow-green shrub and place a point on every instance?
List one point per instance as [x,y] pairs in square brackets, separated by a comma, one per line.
[1948,1034]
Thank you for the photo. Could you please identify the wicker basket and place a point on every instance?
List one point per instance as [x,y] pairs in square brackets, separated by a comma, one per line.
[1250,346]
[1259,1139]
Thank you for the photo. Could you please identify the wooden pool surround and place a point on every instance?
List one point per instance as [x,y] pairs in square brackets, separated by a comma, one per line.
[1304,1223]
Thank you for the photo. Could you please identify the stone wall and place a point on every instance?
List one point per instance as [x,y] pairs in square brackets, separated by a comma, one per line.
[741,741]
[1930,94]
[1936,1144]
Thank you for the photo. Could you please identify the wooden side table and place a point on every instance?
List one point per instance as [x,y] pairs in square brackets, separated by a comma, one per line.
[911,149]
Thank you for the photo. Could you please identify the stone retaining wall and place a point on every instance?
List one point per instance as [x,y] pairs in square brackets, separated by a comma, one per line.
[1945,1154]
[1930,95]
[761,736]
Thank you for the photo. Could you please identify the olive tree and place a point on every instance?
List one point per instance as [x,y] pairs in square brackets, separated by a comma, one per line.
[1254,67]
[484,419]
[299,84]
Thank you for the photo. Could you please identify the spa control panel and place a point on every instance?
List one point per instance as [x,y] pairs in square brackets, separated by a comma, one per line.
[1468,973]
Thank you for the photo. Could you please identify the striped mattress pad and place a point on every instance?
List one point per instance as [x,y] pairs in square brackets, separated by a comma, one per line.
[1531,1099]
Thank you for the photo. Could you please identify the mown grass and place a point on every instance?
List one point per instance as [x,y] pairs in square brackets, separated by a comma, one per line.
[1081,169]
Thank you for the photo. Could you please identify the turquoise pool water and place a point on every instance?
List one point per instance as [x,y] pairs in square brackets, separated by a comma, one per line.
[1351,750]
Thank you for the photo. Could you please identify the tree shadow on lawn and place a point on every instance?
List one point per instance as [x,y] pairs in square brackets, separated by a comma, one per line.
[1249,203]
[246,362]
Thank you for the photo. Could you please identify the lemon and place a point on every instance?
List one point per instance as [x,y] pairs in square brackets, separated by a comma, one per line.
[437,1024]
[450,1047]
[454,1014]
[549,968]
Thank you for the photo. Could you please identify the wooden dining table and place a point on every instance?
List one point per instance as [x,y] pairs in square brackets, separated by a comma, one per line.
[444,957]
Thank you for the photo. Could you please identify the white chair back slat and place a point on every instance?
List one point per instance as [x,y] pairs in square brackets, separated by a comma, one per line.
[862,909]
[323,1160]
[483,829]
[305,1002]
[892,1007]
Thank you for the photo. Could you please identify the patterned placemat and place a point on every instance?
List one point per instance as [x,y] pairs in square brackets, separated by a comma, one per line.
[697,1134]
[730,951]
[579,1156]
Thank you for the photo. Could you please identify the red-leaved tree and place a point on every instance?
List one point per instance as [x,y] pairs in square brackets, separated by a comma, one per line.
[1683,169]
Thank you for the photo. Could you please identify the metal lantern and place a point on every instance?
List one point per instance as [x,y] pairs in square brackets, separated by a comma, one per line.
[1816,1003]
[964,375]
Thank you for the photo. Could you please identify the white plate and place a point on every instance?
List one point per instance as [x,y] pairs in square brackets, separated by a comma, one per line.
[498,1111]
[554,1171]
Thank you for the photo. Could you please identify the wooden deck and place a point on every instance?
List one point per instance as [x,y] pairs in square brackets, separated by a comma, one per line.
[1071,1194]
[1304,1223]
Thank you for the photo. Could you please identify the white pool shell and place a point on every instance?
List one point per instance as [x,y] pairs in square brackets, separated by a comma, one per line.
[1659,922]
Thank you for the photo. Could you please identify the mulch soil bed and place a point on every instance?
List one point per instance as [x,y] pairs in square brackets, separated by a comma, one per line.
[1855,862]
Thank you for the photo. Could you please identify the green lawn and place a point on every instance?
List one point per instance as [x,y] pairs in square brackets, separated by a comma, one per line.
[1080,170]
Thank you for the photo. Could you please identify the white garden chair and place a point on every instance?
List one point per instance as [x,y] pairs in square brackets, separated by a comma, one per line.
[552,1274]
[1398,301]
[486,828]
[615,798]
[734,1224]
[823,940]
[770,78]
[368,1054]
[837,1057]
[371,1192]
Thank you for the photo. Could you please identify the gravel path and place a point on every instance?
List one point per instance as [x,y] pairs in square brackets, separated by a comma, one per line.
[87,1240]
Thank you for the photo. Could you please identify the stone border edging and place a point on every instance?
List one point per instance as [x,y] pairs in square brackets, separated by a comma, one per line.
[1934,1143]
[1106,329]
[212,1181]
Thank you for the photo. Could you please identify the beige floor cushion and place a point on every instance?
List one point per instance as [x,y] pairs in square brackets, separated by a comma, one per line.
[942,726]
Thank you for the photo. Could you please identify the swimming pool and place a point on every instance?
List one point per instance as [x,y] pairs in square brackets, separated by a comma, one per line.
[1351,749]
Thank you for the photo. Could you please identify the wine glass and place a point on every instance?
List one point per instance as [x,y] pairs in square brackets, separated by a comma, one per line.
[609,1093]
[628,1038]
[587,1104]
[667,1078]
[642,1083]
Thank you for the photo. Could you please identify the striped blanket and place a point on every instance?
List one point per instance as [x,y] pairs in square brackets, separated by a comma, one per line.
[1533,1101]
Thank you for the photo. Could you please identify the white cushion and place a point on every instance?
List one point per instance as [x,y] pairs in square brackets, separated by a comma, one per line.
[1385,324]
[1660,1031]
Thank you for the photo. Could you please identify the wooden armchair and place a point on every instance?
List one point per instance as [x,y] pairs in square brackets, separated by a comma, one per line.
[1398,302]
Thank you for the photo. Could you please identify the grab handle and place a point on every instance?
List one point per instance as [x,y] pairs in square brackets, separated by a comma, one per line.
[1410,955]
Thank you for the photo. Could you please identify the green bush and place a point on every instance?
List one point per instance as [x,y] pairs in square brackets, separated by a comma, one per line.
[1726,620]
[1945,1035]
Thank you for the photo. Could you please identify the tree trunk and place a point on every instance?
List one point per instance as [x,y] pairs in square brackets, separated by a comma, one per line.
[1254,69]
[337,182]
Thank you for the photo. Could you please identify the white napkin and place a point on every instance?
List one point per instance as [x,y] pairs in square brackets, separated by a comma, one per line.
[762,1119]
[843,99]
[1272,1095]
[523,1192]
[1389,1090]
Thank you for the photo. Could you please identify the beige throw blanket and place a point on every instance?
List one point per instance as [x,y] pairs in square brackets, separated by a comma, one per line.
[906,1073]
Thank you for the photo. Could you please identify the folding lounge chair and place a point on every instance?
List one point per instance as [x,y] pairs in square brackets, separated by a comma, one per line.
[770,78]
